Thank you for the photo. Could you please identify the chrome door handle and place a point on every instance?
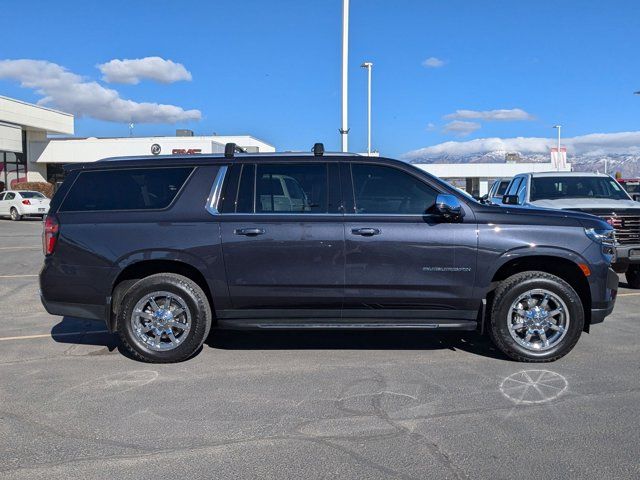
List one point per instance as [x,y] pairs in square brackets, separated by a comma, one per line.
[365,232]
[250,232]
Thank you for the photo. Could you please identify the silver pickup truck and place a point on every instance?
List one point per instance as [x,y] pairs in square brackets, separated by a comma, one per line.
[593,193]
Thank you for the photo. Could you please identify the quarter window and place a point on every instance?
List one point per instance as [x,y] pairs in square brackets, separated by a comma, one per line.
[127,189]
[386,190]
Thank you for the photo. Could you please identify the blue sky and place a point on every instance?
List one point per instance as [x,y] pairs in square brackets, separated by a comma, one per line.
[272,68]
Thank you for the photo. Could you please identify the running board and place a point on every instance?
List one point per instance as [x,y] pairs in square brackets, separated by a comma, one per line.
[249,324]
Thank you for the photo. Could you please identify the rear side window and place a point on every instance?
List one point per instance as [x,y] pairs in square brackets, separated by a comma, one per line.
[288,188]
[129,189]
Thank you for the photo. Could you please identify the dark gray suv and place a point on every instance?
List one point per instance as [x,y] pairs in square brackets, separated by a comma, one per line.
[164,248]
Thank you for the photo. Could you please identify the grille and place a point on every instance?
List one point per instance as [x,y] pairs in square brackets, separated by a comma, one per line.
[627,228]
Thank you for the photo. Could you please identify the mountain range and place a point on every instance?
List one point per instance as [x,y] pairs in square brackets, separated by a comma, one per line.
[627,165]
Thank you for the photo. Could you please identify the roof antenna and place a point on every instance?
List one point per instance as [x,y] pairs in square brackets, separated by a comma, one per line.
[229,150]
[318,149]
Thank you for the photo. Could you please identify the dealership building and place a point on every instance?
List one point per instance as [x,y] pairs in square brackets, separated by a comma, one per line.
[28,153]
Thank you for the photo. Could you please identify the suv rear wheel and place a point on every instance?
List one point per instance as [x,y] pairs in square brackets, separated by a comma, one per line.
[633,276]
[536,317]
[164,318]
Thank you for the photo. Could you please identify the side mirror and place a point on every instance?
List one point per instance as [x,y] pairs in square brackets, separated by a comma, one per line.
[449,207]
[510,200]
[484,198]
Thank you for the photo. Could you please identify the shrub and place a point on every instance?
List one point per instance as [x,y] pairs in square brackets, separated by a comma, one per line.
[45,188]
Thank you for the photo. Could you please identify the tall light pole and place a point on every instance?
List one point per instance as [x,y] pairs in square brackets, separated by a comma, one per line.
[344,130]
[369,67]
[559,127]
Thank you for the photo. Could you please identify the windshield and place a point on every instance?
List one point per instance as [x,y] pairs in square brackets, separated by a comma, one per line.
[31,195]
[553,188]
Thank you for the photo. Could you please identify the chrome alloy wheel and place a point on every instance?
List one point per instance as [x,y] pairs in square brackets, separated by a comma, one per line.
[538,320]
[161,321]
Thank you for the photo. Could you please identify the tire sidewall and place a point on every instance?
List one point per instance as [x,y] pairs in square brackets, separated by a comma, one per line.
[199,311]
[557,286]
[633,276]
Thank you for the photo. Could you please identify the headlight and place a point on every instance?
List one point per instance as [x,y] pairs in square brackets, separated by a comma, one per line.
[605,236]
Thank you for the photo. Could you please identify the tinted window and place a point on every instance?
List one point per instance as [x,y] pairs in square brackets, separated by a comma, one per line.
[10,196]
[283,188]
[132,189]
[32,195]
[380,189]
[550,188]
[1,196]
[502,187]
[244,203]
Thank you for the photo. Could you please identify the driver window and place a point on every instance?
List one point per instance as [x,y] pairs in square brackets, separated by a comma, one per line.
[386,190]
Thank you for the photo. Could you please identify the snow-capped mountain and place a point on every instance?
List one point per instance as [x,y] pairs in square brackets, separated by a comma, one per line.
[628,165]
[613,152]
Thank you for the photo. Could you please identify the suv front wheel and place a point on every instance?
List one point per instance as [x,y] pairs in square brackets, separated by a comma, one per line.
[536,317]
[164,318]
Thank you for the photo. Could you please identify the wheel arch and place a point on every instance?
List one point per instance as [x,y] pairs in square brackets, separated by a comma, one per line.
[558,265]
[137,270]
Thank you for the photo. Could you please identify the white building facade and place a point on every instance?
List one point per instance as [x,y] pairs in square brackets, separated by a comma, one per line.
[27,154]
[476,178]
[47,157]
[22,124]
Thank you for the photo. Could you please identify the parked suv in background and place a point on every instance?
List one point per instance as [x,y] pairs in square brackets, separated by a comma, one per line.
[496,191]
[23,203]
[593,193]
[164,248]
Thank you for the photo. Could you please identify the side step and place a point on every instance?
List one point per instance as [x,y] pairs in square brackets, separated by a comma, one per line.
[252,324]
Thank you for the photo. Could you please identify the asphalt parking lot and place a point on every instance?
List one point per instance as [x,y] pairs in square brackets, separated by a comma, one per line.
[306,405]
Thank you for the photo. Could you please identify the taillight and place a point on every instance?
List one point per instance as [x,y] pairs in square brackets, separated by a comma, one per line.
[50,234]
[26,202]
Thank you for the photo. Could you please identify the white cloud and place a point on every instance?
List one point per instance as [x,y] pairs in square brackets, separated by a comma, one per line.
[433,62]
[513,114]
[592,144]
[71,93]
[431,126]
[150,68]
[461,128]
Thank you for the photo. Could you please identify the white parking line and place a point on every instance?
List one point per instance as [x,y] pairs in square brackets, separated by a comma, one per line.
[48,335]
[18,276]
[633,294]
[20,248]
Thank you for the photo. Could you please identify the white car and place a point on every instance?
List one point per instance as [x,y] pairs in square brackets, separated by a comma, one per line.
[23,203]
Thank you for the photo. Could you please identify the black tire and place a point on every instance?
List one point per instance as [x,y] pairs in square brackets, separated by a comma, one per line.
[195,301]
[15,216]
[513,288]
[633,276]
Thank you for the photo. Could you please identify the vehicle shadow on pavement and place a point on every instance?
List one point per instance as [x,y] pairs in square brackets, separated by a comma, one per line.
[80,331]
[470,342]
[77,331]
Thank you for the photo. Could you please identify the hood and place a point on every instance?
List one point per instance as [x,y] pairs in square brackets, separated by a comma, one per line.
[587,204]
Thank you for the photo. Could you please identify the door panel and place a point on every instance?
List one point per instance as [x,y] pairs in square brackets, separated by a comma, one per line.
[411,264]
[402,260]
[289,256]
[290,264]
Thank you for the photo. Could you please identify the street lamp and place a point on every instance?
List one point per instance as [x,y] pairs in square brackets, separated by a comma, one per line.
[344,129]
[559,127]
[369,67]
